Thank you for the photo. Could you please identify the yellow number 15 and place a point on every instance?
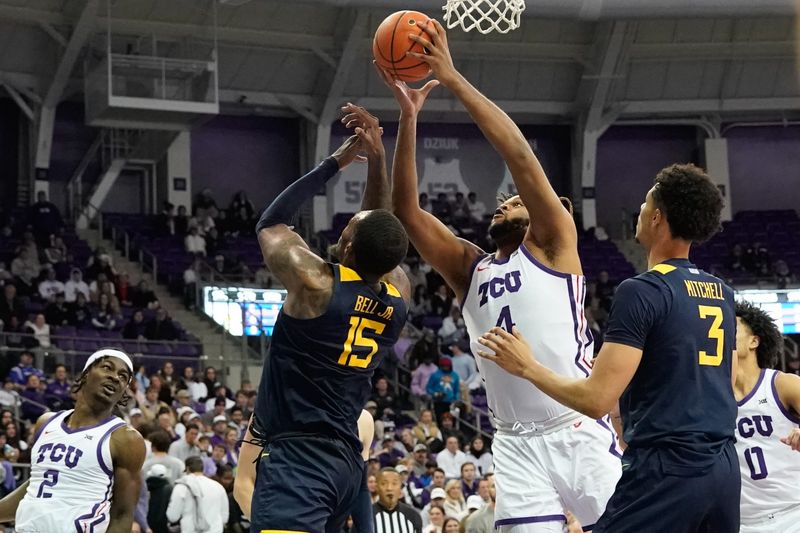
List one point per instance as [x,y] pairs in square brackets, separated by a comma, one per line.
[356,339]
[715,332]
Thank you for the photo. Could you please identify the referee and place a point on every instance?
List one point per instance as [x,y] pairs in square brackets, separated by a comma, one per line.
[392,515]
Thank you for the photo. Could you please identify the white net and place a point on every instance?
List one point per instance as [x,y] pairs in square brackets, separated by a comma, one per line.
[484,15]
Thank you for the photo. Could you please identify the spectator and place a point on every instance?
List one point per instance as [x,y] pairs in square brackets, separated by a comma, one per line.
[189,382]
[36,405]
[100,263]
[605,289]
[442,301]
[436,498]
[200,504]
[161,328]
[407,442]
[387,403]
[57,313]
[464,364]
[783,276]
[195,243]
[216,461]
[426,431]
[58,394]
[419,466]
[20,373]
[181,221]
[101,286]
[75,285]
[135,328]
[187,446]
[220,426]
[10,303]
[421,375]
[56,251]
[480,456]
[214,242]
[453,328]
[203,202]
[232,446]
[477,209]
[762,263]
[143,296]
[160,442]
[141,377]
[50,286]
[469,483]
[151,405]
[483,488]
[122,288]
[449,429]
[8,394]
[408,492]
[81,313]
[444,386]
[103,317]
[438,479]
[390,512]
[389,455]
[451,458]
[15,335]
[45,218]
[455,505]
[165,421]
[159,488]
[482,521]
[451,525]
[165,222]
[40,330]
[190,278]
[435,520]
[211,382]
[219,404]
[239,202]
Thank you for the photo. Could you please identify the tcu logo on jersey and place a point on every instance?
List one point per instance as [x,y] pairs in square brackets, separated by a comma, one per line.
[761,423]
[496,287]
[58,453]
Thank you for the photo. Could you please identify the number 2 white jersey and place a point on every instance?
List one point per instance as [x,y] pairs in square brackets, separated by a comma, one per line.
[770,468]
[71,479]
[547,307]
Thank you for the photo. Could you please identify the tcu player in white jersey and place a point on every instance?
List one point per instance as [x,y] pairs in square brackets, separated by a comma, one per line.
[548,458]
[85,462]
[767,434]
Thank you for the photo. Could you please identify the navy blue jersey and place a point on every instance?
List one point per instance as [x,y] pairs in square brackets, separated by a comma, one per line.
[681,396]
[317,376]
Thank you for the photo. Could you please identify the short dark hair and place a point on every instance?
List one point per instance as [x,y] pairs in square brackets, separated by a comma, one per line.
[770,340]
[379,243]
[194,464]
[470,463]
[690,200]
[440,470]
[192,426]
[160,440]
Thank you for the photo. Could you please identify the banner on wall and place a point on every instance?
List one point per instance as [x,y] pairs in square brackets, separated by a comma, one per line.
[462,161]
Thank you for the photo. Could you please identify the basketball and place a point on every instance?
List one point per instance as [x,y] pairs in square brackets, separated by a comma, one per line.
[391,44]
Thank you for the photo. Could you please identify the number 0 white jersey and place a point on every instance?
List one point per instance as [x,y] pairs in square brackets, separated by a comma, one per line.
[71,479]
[547,307]
[770,468]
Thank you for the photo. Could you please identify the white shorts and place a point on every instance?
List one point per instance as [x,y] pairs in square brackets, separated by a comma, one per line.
[540,477]
[783,522]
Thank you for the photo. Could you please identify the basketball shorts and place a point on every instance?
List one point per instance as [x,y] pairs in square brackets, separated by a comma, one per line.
[657,496]
[305,483]
[540,477]
[784,521]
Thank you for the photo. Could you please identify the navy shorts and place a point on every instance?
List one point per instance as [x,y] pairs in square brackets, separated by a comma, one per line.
[655,497]
[305,483]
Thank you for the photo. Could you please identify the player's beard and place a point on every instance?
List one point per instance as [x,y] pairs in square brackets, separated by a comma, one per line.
[509,231]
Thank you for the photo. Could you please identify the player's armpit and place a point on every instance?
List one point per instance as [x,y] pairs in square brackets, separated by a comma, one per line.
[127,454]
[293,263]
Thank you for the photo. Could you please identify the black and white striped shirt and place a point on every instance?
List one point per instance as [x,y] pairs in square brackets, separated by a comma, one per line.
[402,519]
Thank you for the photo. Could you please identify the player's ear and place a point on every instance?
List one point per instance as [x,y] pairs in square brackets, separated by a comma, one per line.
[755,342]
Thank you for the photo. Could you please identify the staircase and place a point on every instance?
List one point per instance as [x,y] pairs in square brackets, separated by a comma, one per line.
[634,253]
[220,350]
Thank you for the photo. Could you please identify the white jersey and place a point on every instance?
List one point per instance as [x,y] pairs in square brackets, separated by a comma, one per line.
[770,468]
[71,479]
[547,307]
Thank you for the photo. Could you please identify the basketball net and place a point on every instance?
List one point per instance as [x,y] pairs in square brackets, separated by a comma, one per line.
[484,15]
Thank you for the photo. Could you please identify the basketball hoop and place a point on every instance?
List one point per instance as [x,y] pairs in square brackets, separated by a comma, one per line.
[484,15]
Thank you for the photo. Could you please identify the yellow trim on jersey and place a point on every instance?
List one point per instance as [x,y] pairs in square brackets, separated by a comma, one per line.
[663,268]
[348,274]
[391,290]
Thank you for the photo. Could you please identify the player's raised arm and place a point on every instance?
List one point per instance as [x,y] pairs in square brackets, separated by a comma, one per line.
[285,253]
[554,228]
[377,193]
[788,386]
[446,253]
[127,454]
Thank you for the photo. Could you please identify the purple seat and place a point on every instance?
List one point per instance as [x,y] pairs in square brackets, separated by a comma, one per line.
[185,350]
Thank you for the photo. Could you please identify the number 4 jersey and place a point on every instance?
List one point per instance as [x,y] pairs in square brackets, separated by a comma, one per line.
[770,468]
[317,375]
[71,478]
[680,398]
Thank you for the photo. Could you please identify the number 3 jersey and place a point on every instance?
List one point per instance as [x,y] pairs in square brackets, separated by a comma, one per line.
[71,478]
[547,307]
[317,375]
[770,468]
[680,398]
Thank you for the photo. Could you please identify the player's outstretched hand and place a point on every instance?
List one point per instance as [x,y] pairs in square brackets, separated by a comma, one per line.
[434,41]
[366,126]
[511,351]
[348,152]
[410,100]
[793,439]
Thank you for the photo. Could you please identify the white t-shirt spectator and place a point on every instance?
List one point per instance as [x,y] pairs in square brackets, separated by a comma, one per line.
[49,288]
[189,276]
[195,244]
[451,463]
[72,288]
[41,334]
[196,501]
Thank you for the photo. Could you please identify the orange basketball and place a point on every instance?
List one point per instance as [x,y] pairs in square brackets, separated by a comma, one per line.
[391,44]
